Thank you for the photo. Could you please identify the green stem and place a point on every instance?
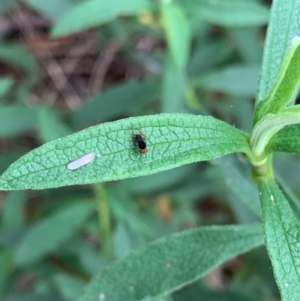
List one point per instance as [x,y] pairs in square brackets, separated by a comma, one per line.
[104,220]
[264,170]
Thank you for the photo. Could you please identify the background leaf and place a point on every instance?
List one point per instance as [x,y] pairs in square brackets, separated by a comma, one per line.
[26,120]
[48,234]
[125,97]
[50,125]
[54,9]
[6,84]
[177,32]
[70,287]
[21,58]
[247,40]
[234,80]
[6,262]
[173,90]
[171,262]
[282,232]
[192,294]
[93,13]
[173,140]
[13,215]
[230,12]
[245,190]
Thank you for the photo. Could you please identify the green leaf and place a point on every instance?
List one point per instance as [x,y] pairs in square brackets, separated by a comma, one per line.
[160,181]
[178,33]
[48,234]
[174,84]
[234,13]
[15,120]
[127,211]
[286,140]
[286,85]
[193,293]
[178,36]
[19,57]
[5,271]
[69,287]
[53,9]
[117,100]
[122,241]
[236,80]
[13,210]
[206,55]
[89,257]
[5,85]
[172,140]
[247,41]
[172,262]
[97,12]
[244,190]
[5,5]
[50,126]
[282,235]
[283,27]
[45,293]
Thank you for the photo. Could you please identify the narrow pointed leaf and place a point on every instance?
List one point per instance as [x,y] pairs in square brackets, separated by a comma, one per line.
[282,233]
[49,233]
[6,84]
[286,140]
[286,85]
[246,41]
[174,85]
[121,99]
[283,27]
[107,152]
[244,190]
[12,213]
[25,116]
[234,13]
[178,33]
[172,262]
[93,13]
[22,59]
[69,287]
[192,294]
[50,126]
[226,80]
[53,9]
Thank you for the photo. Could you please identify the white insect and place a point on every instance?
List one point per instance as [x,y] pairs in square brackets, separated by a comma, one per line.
[86,159]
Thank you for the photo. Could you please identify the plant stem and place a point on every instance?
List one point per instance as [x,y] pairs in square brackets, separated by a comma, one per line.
[104,220]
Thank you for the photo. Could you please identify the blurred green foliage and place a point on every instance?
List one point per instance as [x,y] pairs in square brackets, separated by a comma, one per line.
[201,57]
